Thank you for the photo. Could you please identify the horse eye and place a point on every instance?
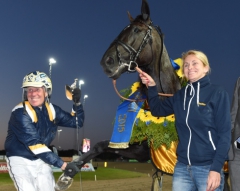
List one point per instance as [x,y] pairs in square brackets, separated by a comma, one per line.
[136,30]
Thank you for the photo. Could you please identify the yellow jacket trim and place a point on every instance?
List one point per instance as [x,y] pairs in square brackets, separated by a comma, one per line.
[51,111]
[39,148]
[31,112]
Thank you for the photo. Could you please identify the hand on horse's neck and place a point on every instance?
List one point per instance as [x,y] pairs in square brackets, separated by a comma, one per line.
[161,94]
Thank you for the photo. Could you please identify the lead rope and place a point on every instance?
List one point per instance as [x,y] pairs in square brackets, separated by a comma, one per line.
[133,100]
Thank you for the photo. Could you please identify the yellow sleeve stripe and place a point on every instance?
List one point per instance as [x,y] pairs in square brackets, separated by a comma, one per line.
[73,113]
[39,148]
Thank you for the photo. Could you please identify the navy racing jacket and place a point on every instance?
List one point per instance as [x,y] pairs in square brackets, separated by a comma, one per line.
[202,118]
[32,129]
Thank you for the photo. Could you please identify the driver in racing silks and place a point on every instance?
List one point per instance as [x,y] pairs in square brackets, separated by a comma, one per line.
[31,129]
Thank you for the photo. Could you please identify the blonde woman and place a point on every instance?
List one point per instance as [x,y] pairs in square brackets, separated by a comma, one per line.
[202,113]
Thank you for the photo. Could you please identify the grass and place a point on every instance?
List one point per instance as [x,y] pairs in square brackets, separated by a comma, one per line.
[5,178]
[101,174]
[108,174]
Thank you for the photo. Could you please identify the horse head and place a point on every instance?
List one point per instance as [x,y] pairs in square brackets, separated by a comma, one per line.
[140,44]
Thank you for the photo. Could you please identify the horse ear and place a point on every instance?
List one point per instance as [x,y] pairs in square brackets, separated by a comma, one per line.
[145,10]
[130,17]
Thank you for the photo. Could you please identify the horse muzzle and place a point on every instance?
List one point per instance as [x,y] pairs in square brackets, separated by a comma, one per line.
[110,67]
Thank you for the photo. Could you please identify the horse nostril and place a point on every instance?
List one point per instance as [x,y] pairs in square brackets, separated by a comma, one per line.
[109,60]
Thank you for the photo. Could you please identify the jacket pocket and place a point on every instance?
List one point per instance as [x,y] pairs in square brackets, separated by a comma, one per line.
[210,139]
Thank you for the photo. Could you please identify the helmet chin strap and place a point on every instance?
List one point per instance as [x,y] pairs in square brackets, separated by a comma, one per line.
[24,96]
[47,99]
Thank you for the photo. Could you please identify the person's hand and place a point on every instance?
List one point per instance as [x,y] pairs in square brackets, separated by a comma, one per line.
[146,79]
[71,170]
[76,95]
[214,179]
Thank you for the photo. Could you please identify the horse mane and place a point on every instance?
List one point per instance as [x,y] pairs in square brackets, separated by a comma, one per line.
[163,73]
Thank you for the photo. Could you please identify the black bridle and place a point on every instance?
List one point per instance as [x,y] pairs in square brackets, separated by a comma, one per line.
[134,54]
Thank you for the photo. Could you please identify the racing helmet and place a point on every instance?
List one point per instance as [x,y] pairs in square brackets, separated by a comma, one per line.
[38,79]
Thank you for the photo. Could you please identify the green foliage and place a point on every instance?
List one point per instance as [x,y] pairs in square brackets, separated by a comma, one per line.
[157,134]
[183,81]
[125,93]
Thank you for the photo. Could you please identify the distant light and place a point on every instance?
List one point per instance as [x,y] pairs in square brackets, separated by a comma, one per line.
[85,96]
[52,61]
[81,82]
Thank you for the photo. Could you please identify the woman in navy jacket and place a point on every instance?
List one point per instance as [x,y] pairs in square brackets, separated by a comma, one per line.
[202,116]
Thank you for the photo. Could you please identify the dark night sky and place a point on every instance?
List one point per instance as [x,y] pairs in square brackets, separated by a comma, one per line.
[76,33]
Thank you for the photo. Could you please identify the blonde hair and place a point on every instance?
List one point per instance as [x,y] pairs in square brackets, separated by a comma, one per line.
[200,55]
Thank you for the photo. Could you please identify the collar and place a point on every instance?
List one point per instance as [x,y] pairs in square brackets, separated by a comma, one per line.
[195,86]
[203,82]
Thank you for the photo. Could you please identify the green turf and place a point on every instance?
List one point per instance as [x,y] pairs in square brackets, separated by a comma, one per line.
[5,178]
[101,174]
[104,174]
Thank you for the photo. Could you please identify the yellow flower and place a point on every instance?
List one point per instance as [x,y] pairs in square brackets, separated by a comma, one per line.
[171,118]
[144,115]
[135,86]
[157,119]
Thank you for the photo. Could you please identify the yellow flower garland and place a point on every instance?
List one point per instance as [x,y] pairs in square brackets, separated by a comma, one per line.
[157,131]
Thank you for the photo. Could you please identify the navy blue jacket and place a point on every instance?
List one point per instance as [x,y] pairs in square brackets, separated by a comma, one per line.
[30,139]
[202,114]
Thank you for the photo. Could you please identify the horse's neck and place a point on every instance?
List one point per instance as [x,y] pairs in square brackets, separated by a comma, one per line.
[163,73]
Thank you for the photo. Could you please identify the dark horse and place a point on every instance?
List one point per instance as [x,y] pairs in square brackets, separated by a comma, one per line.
[141,45]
